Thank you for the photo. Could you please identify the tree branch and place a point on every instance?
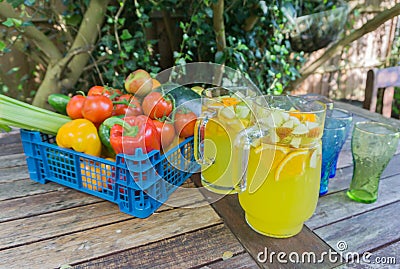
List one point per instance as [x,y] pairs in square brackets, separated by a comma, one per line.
[219,25]
[370,26]
[250,22]
[85,38]
[219,29]
[47,47]
[170,33]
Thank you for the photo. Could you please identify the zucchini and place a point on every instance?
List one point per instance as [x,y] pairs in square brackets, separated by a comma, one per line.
[59,102]
[182,96]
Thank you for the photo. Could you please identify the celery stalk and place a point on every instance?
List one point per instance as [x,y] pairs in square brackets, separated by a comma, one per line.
[22,115]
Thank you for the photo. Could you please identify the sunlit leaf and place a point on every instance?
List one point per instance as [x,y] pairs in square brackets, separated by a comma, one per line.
[15,3]
[125,35]
[220,57]
[2,45]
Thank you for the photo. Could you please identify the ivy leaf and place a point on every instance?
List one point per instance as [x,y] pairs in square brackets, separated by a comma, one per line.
[15,3]
[27,23]
[9,22]
[220,57]
[139,34]
[121,21]
[12,70]
[209,12]
[2,45]
[125,35]
[74,20]
[29,3]
[128,47]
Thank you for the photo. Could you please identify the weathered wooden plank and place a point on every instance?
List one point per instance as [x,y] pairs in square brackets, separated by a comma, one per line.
[229,209]
[364,232]
[14,173]
[28,230]
[367,114]
[37,226]
[186,197]
[345,159]
[185,251]
[241,261]
[44,203]
[10,148]
[387,257]
[11,137]
[27,187]
[388,252]
[105,240]
[338,206]
[12,160]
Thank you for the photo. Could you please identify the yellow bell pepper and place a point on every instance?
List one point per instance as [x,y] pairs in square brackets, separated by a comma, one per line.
[80,135]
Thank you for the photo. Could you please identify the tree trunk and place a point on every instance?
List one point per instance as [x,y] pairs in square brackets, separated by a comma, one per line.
[219,29]
[66,72]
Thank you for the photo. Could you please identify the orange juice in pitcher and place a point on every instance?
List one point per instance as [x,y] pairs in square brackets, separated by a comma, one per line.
[283,154]
[225,113]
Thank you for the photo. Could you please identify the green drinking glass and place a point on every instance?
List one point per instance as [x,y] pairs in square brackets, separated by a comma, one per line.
[373,145]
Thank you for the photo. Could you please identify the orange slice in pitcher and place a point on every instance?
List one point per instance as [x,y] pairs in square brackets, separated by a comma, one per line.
[303,116]
[293,165]
[230,101]
[270,158]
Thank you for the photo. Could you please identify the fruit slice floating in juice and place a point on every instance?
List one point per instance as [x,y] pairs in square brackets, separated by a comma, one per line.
[283,172]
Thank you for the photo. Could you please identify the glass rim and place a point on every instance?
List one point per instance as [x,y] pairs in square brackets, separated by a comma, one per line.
[348,116]
[394,131]
[318,97]
[319,111]
[227,89]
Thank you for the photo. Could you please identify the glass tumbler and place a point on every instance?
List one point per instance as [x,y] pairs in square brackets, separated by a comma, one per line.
[346,117]
[333,139]
[373,146]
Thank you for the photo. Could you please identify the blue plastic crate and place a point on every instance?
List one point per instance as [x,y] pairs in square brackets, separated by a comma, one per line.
[138,183]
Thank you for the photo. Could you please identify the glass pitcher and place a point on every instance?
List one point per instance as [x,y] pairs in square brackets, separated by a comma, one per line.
[225,113]
[280,164]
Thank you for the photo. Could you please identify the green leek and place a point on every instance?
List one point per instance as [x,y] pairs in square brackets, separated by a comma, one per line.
[25,116]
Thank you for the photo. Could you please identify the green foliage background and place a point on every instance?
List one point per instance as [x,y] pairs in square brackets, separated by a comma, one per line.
[263,52]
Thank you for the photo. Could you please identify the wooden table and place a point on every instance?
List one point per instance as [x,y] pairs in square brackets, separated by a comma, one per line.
[51,226]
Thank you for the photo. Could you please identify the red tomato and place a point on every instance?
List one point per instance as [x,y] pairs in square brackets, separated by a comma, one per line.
[156,106]
[106,91]
[74,107]
[184,123]
[166,131]
[131,108]
[97,108]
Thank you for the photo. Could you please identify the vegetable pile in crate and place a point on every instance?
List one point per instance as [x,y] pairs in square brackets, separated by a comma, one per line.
[133,147]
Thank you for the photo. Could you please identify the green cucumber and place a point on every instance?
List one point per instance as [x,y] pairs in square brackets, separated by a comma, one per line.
[59,102]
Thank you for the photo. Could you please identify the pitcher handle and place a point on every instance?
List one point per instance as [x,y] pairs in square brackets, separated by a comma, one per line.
[242,143]
[200,129]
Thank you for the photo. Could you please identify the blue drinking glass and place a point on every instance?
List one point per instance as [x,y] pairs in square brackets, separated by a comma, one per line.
[346,118]
[333,139]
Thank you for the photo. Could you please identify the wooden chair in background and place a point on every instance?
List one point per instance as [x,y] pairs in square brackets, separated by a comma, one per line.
[385,79]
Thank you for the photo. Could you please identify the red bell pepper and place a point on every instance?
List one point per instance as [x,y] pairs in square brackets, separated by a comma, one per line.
[134,132]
